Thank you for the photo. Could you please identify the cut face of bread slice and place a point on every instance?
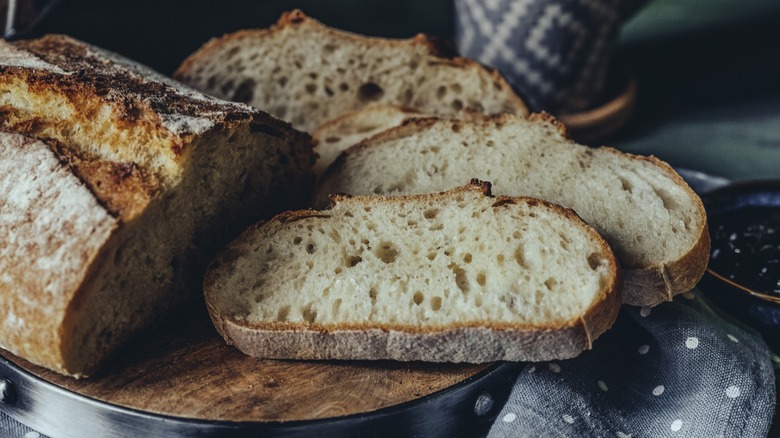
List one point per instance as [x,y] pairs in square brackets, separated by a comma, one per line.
[654,222]
[335,136]
[302,71]
[459,276]
[113,218]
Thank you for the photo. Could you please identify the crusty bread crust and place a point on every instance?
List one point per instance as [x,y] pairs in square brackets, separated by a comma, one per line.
[476,343]
[54,229]
[644,285]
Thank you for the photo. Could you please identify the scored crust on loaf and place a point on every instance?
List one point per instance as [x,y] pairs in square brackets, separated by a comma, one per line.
[460,276]
[157,175]
[654,222]
[308,73]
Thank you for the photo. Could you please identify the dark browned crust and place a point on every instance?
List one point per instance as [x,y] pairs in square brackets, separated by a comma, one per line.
[297,18]
[136,98]
[471,342]
[124,189]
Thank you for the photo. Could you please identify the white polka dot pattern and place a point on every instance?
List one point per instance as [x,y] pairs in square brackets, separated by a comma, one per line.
[733,391]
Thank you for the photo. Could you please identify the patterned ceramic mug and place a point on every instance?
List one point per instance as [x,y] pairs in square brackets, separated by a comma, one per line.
[556,53]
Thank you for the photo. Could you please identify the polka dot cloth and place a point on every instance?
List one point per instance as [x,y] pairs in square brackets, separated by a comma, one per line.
[676,370]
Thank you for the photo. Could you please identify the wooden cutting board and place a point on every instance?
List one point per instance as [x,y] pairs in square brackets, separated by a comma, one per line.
[186,370]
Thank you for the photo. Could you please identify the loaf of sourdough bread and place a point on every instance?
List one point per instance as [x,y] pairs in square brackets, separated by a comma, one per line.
[305,72]
[459,276]
[654,222]
[108,222]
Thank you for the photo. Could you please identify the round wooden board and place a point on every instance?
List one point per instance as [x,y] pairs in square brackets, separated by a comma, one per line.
[186,370]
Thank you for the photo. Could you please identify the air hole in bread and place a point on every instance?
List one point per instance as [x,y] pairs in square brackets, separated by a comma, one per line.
[430,213]
[283,313]
[309,313]
[329,91]
[387,252]
[297,240]
[520,257]
[436,304]
[336,306]
[418,298]
[311,248]
[467,258]
[481,278]
[461,279]
[432,255]
[372,293]
[550,283]
[411,223]
[408,96]
[313,75]
[329,48]
[311,88]
[478,301]
[669,202]
[352,261]
[595,260]
[457,104]
[490,143]
[344,86]
[282,81]
[626,185]
[441,91]
[456,88]
[369,92]
[226,87]
[500,259]
[436,227]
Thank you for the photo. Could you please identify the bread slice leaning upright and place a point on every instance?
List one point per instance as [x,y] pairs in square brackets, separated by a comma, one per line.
[108,220]
[307,73]
[654,222]
[335,136]
[459,276]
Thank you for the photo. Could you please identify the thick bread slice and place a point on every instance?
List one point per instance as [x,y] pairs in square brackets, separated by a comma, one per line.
[459,276]
[109,223]
[305,72]
[335,136]
[654,222]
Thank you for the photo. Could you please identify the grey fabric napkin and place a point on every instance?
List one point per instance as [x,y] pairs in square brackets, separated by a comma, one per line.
[677,370]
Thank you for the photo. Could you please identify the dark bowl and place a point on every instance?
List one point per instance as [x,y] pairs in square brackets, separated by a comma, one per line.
[758,309]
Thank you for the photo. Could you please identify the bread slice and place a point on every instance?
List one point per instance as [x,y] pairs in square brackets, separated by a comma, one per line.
[305,72]
[654,222]
[459,276]
[335,136]
[109,224]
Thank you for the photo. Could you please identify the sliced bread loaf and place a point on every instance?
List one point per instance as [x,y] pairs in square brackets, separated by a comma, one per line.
[108,225]
[459,276]
[654,222]
[307,73]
